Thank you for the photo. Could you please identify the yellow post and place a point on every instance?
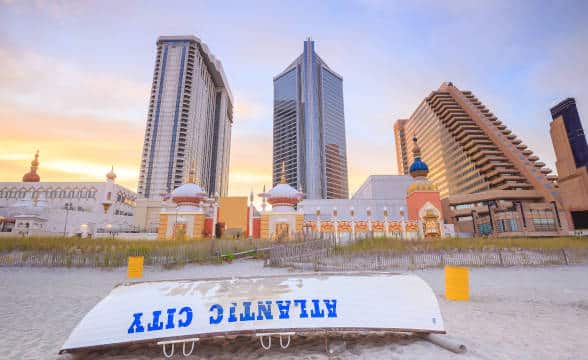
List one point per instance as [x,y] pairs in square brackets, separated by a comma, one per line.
[135,267]
[457,283]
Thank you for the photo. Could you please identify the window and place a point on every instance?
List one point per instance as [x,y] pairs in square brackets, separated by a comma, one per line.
[485,229]
[507,225]
[543,224]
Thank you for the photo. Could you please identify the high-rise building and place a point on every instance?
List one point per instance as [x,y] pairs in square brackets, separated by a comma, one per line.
[400,141]
[309,127]
[489,181]
[189,120]
[571,151]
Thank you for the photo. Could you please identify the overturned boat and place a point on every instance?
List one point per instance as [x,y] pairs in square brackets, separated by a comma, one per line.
[185,311]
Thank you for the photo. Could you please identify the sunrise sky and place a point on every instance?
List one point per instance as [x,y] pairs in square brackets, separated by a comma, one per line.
[75,75]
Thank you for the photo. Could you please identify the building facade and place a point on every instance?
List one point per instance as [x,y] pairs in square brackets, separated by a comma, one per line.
[400,141]
[35,207]
[189,120]
[571,151]
[309,127]
[482,170]
[396,206]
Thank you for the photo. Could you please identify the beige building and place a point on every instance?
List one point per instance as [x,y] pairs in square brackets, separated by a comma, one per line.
[489,181]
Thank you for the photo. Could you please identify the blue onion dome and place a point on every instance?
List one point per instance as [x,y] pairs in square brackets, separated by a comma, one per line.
[418,167]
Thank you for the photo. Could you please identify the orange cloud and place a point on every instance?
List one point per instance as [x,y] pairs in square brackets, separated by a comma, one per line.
[73,148]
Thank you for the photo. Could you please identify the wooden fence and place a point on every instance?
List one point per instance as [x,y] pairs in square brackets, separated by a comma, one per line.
[157,257]
[323,255]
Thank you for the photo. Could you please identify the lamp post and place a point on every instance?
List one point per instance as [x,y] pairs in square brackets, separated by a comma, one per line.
[214,213]
[369,219]
[352,213]
[109,227]
[68,206]
[402,223]
[318,220]
[386,222]
[336,225]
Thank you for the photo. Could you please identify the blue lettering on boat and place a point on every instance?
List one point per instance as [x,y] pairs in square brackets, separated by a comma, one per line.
[267,310]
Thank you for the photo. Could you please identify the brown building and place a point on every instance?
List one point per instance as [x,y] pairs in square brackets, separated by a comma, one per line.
[489,181]
[400,141]
[571,151]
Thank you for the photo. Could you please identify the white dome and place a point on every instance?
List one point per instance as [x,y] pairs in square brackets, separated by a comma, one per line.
[284,191]
[188,190]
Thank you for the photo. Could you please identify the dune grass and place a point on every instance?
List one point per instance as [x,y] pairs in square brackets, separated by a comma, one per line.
[386,244]
[114,252]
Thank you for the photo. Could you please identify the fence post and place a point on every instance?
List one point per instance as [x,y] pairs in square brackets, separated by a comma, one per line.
[563,251]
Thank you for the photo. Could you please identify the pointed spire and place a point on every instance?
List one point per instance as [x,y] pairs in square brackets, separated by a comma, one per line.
[192,173]
[283,176]
[35,162]
[416,150]
[111,175]
[418,168]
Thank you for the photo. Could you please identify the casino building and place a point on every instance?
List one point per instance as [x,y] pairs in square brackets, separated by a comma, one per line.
[35,207]
[386,205]
[490,182]
[402,207]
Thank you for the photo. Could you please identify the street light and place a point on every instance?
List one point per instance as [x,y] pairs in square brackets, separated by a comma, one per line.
[68,206]
[109,227]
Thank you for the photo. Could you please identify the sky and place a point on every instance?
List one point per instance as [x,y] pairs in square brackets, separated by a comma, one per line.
[75,76]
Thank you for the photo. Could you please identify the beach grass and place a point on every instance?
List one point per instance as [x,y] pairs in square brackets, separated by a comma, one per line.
[114,252]
[376,244]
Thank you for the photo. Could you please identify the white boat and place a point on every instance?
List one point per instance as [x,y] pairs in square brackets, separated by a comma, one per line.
[184,311]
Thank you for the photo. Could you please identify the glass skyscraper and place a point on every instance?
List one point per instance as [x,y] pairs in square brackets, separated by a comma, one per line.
[309,127]
[189,121]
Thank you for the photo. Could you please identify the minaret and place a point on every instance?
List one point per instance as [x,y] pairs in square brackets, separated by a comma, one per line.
[32,175]
[422,198]
[250,219]
[421,190]
[109,190]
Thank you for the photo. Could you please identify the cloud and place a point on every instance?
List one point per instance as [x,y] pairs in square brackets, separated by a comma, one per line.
[250,109]
[32,80]
[59,9]
[251,163]
[72,148]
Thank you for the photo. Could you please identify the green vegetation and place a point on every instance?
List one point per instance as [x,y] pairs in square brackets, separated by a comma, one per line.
[107,252]
[383,244]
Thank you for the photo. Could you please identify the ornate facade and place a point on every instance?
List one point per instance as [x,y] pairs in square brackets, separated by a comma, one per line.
[65,208]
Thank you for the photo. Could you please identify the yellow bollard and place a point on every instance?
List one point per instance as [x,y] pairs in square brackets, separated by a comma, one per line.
[457,283]
[135,267]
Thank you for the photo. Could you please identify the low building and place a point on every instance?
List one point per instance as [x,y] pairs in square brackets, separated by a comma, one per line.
[404,207]
[65,208]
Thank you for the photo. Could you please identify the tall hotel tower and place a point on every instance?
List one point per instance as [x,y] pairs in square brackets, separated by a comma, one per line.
[189,121]
[571,152]
[485,174]
[309,127]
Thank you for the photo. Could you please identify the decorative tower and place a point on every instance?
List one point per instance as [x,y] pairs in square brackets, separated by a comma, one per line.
[186,221]
[109,193]
[422,197]
[32,175]
[283,221]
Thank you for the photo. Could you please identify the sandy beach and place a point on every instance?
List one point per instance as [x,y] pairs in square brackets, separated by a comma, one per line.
[514,313]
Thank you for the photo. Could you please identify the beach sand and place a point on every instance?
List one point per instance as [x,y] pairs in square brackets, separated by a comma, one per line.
[514,313]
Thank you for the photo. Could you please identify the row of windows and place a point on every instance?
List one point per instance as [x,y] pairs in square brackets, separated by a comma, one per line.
[52,194]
